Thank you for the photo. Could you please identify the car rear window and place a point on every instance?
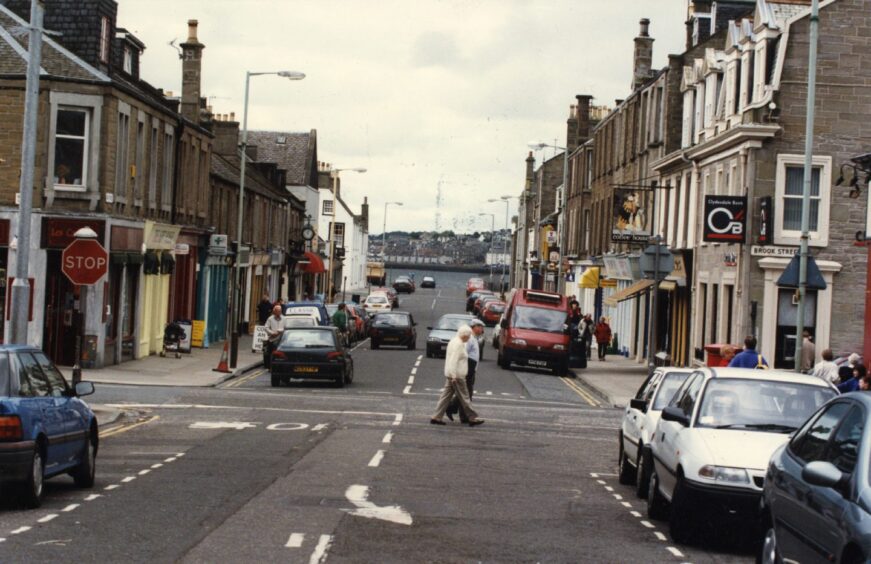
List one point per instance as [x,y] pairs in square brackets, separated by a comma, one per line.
[394,319]
[301,339]
[376,300]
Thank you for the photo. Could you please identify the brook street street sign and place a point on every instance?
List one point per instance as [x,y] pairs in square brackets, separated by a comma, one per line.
[85,262]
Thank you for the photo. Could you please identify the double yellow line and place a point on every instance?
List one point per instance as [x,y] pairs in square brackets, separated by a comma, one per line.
[585,395]
[245,379]
[118,429]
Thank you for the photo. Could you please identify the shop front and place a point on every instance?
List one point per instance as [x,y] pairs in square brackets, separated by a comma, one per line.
[184,277]
[213,290]
[122,293]
[158,264]
[258,284]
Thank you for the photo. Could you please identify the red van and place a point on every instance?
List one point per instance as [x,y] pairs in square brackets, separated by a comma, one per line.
[534,331]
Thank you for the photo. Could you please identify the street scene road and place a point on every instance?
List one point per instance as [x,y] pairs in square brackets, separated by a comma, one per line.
[308,472]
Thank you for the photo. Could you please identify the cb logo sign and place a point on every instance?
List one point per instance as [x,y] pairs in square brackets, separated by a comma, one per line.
[725,219]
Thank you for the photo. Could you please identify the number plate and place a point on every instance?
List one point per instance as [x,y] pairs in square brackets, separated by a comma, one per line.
[305,368]
[537,362]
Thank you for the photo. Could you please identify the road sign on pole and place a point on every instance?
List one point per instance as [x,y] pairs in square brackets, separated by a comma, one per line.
[85,262]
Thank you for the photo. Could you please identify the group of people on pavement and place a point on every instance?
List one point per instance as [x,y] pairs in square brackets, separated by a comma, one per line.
[461,362]
[583,329]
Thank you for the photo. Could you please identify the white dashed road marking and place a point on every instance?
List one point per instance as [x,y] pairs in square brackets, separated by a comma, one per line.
[156,466]
[674,551]
[406,391]
[128,479]
[660,536]
[92,497]
[319,427]
[387,438]
[47,518]
[111,487]
[144,472]
[70,507]
[295,540]
[398,419]
[410,380]
[648,524]
[376,460]
[635,514]
[19,530]
[414,371]
[320,553]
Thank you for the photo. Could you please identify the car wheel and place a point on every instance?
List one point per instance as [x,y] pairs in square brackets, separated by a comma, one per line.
[340,380]
[33,486]
[274,380]
[350,376]
[428,353]
[412,345]
[770,554]
[503,360]
[657,507]
[682,523]
[85,472]
[374,345]
[625,471]
[561,369]
[642,472]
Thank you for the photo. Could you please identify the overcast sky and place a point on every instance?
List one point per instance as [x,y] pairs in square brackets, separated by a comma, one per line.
[416,91]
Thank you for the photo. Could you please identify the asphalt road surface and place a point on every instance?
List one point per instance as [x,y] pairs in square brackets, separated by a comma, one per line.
[310,473]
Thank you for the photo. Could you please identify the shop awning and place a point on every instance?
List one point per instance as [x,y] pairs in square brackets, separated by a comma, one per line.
[627,293]
[590,278]
[315,264]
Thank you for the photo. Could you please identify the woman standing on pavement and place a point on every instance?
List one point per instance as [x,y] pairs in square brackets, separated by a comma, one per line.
[603,337]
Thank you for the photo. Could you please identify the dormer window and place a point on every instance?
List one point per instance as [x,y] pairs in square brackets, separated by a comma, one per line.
[104,40]
[282,139]
[128,60]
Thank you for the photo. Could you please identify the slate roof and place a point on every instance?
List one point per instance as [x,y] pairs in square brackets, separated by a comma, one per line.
[56,60]
[226,168]
[296,154]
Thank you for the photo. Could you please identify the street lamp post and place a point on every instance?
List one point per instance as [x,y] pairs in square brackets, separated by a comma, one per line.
[561,231]
[505,200]
[492,234]
[384,230]
[334,174]
[235,296]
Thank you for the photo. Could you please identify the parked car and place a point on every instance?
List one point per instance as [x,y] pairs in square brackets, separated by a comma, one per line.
[473,297]
[314,353]
[315,309]
[492,312]
[404,284]
[376,303]
[534,331]
[711,447]
[474,284]
[428,282]
[639,422]
[496,330]
[359,325]
[815,500]
[391,293]
[444,330]
[482,301]
[46,429]
[363,315]
[299,320]
[395,328]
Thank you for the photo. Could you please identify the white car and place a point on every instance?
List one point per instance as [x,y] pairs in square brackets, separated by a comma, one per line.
[639,421]
[377,303]
[713,441]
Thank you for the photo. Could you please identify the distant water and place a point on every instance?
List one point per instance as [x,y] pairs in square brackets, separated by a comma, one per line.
[443,279]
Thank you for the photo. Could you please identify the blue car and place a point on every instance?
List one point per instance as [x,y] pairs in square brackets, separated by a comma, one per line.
[45,429]
[817,491]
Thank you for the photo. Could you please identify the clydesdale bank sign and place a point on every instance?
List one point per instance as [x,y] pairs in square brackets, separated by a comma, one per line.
[725,219]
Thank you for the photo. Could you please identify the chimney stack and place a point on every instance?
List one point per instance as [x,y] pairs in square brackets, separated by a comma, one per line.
[643,60]
[572,129]
[226,137]
[530,172]
[364,213]
[583,113]
[191,71]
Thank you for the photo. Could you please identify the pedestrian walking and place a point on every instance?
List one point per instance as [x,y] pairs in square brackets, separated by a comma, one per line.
[474,353]
[826,369]
[603,337]
[749,358]
[851,385]
[845,372]
[587,334]
[456,369]
[340,320]
[808,352]
[274,331]
[264,308]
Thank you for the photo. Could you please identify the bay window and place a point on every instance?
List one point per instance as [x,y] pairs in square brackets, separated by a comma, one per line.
[789,188]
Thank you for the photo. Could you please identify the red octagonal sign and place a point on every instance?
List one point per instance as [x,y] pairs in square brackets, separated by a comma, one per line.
[85,261]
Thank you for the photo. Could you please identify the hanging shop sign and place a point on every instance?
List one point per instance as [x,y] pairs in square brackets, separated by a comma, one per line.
[630,222]
[725,219]
[160,236]
[218,245]
[766,221]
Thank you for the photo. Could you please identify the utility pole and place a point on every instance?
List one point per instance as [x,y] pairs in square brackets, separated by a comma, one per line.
[21,287]
[808,179]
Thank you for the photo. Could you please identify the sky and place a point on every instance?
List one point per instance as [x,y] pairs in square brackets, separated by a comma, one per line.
[421,93]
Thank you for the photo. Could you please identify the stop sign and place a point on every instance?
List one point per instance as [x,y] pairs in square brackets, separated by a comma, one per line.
[85,261]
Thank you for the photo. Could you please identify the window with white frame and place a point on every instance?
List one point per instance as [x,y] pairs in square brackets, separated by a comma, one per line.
[789,188]
[745,90]
[152,165]
[328,207]
[140,161]
[759,60]
[587,230]
[339,234]
[71,147]
[104,40]
[710,99]
[121,154]
[128,60]
[166,186]
[699,109]
[687,131]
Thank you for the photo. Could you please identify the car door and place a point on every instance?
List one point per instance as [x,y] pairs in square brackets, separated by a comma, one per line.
[633,418]
[793,517]
[37,391]
[673,434]
[75,424]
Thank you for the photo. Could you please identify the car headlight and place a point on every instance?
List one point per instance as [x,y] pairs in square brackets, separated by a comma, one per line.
[519,342]
[559,347]
[433,340]
[725,474]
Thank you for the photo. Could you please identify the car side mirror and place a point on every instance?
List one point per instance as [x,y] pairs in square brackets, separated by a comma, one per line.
[675,414]
[638,404]
[84,388]
[503,324]
[824,474]
[428,328]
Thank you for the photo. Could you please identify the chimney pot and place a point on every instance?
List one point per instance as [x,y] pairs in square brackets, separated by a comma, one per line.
[232,116]
[192,31]
[645,26]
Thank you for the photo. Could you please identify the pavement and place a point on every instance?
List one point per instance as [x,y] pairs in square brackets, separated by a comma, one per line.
[615,381]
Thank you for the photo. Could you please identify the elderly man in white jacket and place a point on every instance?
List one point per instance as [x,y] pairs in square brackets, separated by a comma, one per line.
[456,369]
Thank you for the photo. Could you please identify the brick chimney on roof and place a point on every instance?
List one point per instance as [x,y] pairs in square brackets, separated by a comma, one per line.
[643,60]
[191,69]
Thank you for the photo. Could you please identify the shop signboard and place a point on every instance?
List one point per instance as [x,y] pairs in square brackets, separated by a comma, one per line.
[766,224]
[198,331]
[160,236]
[184,344]
[725,219]
[259,338]
[218,245]
[630,222]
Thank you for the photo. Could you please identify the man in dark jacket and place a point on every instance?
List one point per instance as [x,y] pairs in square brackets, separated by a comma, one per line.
[749,358]
[264,308]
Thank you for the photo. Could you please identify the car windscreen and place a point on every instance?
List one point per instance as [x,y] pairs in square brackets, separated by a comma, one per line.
[301,339]
[759,405]
[496,308]
[376,300]
[670,383]
[539,319]
[452,323]
[391,319]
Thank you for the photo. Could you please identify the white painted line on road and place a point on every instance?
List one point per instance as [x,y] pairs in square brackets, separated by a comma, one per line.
[505,394]
[70,507]
[295,540]
[433,304]
[144,472]
[410,380]
[648,524]
[407,390]
[20,530]
[360,344]
[320,553]
[600,473]
[2,539]
[488,393]
[618,497]
[282,409]
[92,497]
[170,459]
[128,479]
[593,475]
[413,371]
[47,518]
[397,420]
[319,427]
[660,536]
[156,466]
[419,357]
[111,487]
[635,514]
[388,437]
[674,551]
[358,495]
[626,504]
[609,488]
[179,454]
[287,427]
[376,460]
[603,482]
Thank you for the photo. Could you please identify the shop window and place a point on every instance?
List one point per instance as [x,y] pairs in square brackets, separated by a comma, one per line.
[71,144]
[789,188]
